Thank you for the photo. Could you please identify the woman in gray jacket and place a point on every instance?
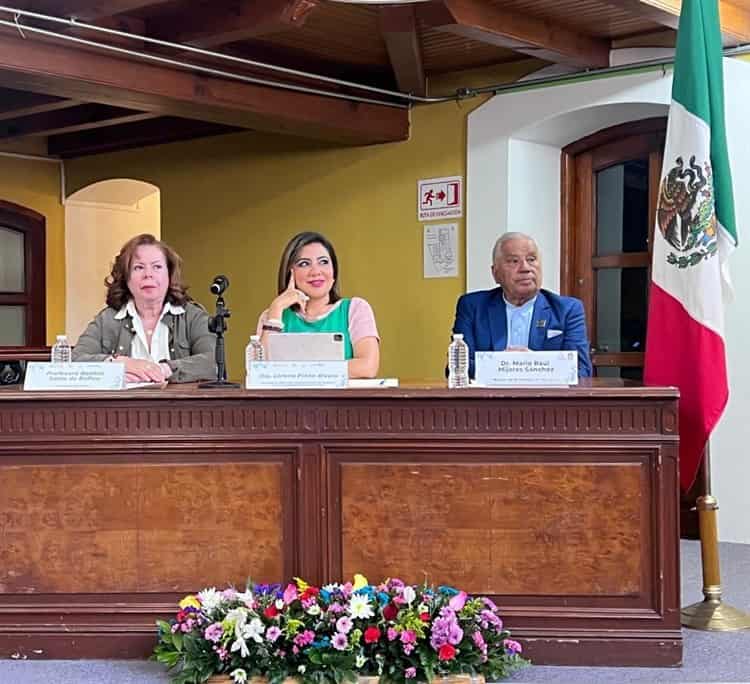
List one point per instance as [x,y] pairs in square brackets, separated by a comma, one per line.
[150,323]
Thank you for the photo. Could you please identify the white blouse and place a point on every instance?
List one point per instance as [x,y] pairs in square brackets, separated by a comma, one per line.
[139,348]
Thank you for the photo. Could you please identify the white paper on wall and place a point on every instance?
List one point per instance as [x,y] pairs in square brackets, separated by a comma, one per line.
[441,250]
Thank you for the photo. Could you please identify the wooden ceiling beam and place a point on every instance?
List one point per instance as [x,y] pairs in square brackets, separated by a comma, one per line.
[398,25]
[17,103]
[130,135]
[481,21]
[208,27]
[63,71]
[735,20]
[88,10]
[82,118]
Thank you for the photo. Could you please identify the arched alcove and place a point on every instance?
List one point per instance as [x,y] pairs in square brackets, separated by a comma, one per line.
[99,219]
[513,183]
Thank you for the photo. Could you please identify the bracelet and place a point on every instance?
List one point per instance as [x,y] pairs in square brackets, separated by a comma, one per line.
[272,328]
[276,322]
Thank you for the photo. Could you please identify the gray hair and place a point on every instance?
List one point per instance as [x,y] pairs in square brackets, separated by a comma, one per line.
[507,237]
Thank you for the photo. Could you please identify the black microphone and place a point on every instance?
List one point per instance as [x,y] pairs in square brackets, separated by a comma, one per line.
[221,283]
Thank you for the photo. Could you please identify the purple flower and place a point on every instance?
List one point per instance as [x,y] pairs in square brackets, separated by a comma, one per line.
[511,646]
[446,630]
[273,633]
[410,672]
[340,642]
[214,632]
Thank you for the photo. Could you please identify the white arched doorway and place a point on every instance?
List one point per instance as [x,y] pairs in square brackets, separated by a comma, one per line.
[99,219]
[513,183]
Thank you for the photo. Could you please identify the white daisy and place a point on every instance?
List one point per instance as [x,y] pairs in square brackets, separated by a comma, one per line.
[210,599]
[359,606]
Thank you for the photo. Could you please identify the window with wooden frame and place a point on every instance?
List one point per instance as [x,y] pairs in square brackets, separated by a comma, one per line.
[22,277]
[610,183]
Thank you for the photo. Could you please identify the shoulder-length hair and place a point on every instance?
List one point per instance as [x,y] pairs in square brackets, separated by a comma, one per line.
[116,282]
[291,252]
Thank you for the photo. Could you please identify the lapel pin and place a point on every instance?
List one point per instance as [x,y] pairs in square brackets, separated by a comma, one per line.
[541,323]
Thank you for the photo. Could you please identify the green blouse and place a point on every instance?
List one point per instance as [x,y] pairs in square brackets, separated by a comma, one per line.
[336,321]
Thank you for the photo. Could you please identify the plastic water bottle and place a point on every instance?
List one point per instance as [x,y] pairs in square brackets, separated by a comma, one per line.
[458,362]
[62,352]
[254,352]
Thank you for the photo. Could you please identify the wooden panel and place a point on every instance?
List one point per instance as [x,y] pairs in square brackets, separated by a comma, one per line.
[496,529]
[139,496]
[138,528]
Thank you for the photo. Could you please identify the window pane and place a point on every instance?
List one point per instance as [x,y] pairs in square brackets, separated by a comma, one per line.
[12,326]
[621,306]
[11,260]
[622,218]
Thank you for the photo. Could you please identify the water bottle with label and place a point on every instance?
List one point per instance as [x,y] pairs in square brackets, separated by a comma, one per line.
[254,352]
[62,352]
[458,362]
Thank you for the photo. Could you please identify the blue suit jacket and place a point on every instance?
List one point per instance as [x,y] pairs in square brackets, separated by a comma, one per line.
[480,317]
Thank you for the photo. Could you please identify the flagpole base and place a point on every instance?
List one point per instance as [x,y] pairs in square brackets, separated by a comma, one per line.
[712,614]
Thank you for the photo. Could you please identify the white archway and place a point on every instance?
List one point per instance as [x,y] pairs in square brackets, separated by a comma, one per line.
[99,219]
[513,183]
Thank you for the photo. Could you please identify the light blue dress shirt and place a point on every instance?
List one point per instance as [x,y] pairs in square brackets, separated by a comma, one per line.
[519,322]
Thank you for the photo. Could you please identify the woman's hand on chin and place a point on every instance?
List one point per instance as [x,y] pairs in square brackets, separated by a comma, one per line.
[287,298]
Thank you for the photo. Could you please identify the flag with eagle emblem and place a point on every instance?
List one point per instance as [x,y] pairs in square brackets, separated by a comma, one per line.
[693,237]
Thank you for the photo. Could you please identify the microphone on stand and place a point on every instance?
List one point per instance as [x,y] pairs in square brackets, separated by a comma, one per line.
[221,283]
[217,324]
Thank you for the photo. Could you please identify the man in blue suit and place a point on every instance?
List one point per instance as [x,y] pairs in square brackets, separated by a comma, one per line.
[519,315]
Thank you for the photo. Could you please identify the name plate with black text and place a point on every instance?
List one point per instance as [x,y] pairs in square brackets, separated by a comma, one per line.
[42,375]
[297,375]
[526,368]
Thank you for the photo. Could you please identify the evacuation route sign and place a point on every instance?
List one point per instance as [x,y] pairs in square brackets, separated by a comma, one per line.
[439,198]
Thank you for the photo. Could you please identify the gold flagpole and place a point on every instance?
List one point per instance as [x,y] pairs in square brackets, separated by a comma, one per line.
[711,613]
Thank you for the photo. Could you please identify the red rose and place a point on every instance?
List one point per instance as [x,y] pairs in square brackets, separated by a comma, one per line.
[447,652]
[390,611]
[372,634]
[308,593]
[424,617]
[271,611]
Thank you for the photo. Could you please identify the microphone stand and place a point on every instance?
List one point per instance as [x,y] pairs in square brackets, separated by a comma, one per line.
[217,324]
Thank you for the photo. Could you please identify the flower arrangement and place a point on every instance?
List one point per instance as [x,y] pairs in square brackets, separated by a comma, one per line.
[336,633]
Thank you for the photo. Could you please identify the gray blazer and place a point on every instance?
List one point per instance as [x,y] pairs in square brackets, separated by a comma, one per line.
[191,345]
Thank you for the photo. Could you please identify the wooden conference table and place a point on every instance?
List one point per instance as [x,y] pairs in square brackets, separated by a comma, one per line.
[561,504]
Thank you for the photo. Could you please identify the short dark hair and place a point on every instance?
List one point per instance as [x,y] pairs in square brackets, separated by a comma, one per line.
[116,282]
[291,252]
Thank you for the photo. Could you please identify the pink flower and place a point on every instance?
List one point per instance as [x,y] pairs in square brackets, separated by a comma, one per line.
[290,593]
[344,625]
[214,632]
[458,601]
[408,636]
[305,639]
[392,634]
[221,652]
[410,672]
[340,642]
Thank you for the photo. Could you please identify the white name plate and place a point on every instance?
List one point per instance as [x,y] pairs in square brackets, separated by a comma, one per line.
[526,369]
[74,376]
[297,375]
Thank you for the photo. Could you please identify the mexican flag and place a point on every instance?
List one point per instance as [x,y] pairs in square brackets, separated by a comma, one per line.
[693,237]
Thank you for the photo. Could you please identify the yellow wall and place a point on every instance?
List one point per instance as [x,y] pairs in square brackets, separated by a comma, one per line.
[229,205]
[36,185]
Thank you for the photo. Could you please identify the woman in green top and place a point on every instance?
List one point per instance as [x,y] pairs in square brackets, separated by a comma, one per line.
[309,301]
